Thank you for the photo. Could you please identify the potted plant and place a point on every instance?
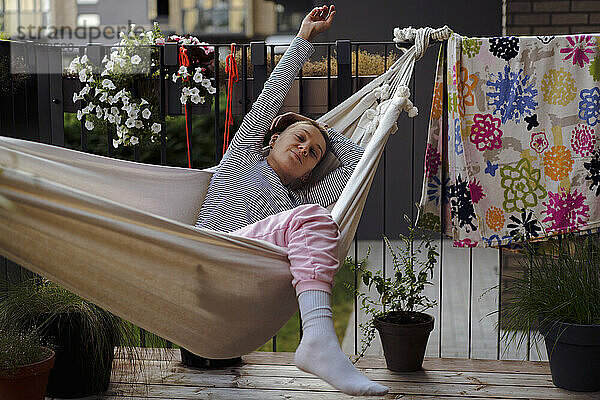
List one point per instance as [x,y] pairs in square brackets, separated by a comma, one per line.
[398,312]
[24,365]
[558,294]
[82,334]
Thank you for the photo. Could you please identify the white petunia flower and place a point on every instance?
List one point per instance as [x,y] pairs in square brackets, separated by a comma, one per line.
[103,97]
[139,124]
[108,84]
[114,55]
[212,90]
[99,112]
[198,76]
[194,91]
[79,114]
[111,100]
[146,113]
[134,140]
[195,99]
[116,143]
[156,127]
[183,71]
[186,91]
[109,65]
[105,59]
[89,125]
[136,59]
[114,110]
[206,82]
[201,99]
[175,77]
[76,97]
[144,102]
[183,99]
[83,75]
[84,59]
[133,113]
[111,118]
[130,123]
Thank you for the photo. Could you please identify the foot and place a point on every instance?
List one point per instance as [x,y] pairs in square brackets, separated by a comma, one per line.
[322,356]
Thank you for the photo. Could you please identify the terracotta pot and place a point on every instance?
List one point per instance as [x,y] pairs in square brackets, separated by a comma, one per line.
[404,344]
[27,382]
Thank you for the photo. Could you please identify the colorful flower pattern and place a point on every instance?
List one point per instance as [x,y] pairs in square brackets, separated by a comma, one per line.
[580,47]
[523,146]
[432,161]
[485,132]
[558,163]
[521,184]
[565,210]
[583,140]
[539,142]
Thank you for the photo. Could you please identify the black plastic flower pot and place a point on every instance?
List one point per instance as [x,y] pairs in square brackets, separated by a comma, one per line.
[73,375]
[404,336]
[192,360]
[574,354]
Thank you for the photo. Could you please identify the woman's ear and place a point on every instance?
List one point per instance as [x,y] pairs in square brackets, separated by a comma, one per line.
[273,139]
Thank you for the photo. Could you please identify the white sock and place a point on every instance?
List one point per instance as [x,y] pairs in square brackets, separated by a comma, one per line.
[319,352]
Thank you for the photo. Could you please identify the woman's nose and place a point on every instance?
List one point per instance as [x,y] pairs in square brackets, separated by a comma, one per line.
[303,149]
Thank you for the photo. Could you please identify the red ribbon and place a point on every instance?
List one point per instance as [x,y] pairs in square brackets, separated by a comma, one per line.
[232,71]
[185,61]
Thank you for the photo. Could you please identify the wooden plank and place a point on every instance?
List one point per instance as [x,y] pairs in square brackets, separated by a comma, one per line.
[294,386]
[157,370]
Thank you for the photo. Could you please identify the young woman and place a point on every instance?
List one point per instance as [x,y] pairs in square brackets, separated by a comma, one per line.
[271,197]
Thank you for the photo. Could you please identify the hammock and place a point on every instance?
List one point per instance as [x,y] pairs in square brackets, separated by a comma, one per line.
[121,234]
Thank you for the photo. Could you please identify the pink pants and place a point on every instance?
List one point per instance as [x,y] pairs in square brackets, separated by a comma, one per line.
[311,238]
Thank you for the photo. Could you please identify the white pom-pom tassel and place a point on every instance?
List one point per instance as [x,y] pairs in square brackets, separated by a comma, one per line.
[413,112]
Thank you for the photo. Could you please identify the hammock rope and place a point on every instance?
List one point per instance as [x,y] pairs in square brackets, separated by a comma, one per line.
[121,234]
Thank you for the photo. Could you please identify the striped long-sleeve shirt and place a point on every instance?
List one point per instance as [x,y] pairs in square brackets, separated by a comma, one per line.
[245,188]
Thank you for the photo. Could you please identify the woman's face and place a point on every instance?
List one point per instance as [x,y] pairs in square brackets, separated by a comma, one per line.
[296,151]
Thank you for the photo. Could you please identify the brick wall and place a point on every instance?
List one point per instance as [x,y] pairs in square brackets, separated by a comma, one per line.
[549,17]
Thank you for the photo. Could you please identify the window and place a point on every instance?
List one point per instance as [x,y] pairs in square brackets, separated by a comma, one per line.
[88,20]
[216,16]
[87,1]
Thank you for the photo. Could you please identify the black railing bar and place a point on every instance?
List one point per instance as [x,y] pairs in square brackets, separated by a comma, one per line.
[355,295]
[162,110]
[272,57]
[442,208]
[328,78]
[470,337]
[356,63]
[412,159]
[500,265]
[244,80]
[217,112]
[385,57]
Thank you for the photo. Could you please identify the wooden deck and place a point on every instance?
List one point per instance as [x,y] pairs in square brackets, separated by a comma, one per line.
[273,376]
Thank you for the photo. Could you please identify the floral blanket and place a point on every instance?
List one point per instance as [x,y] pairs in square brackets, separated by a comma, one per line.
[521,155]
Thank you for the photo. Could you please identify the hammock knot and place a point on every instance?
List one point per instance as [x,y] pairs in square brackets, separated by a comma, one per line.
[421,37]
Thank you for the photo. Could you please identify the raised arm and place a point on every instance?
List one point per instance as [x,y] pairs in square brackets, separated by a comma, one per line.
[256,123]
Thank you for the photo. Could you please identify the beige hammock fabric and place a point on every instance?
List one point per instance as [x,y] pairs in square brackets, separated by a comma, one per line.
[121,234]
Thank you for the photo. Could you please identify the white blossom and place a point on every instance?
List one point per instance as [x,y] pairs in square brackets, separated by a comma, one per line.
[79,115]
[99,111]
[195,99]
[116,143]
[136,59]
[110,117]
[103,97]
[109,65]
[114,110]
[134,140]
[108,84]
[206,82]
[183,99]
[183,71]
[105,59]
[89,125]
[84,59]
[76,97]
[175,77]
[198,75]
[144,102]
[194,91]
[112,100]
[146,113]
[83,75]
[130,123]
[139,124]
[156,127]
[186,91]
[212,90]
[133,113]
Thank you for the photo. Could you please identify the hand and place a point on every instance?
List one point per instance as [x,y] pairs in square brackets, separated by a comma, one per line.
[316,21]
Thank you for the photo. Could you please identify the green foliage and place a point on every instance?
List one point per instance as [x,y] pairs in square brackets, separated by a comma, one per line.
[19,348]
[403,291]
[38,303]
[558,281]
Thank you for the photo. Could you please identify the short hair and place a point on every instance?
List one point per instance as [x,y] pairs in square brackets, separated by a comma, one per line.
[323,132]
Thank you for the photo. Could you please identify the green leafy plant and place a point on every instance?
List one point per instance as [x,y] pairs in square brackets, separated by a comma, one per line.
[413,263]
[558,281]
[19,348]
[38,303]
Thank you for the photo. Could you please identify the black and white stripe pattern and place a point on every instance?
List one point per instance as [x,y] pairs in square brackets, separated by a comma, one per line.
[245,189]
